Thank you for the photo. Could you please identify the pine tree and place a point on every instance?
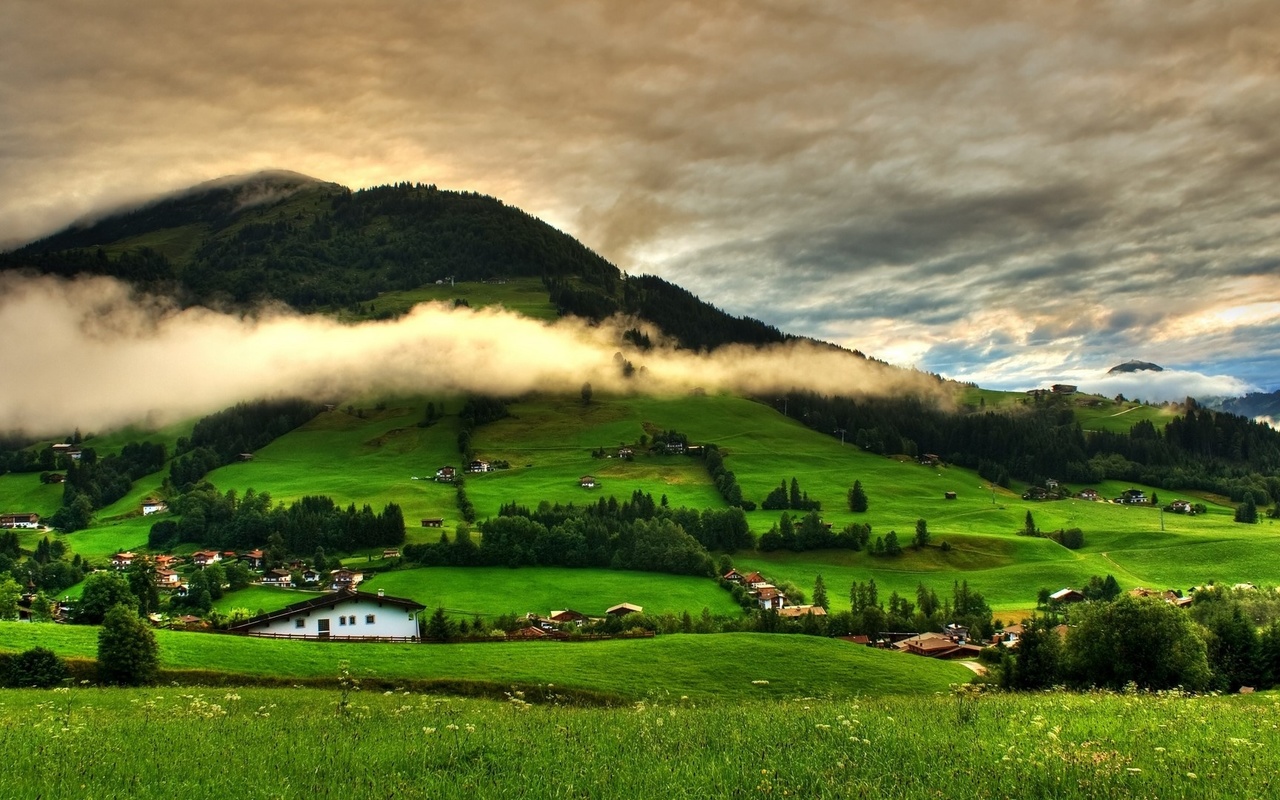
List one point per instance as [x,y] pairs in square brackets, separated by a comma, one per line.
[922,534]
[857,498]
[819,592]
[1029,527]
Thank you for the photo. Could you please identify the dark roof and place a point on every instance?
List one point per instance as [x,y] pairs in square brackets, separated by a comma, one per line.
[328,600]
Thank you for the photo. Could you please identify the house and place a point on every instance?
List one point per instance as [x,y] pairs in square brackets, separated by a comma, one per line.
[948,495]
[391,552]
[344,615]
[153,506]
[1067,596]
[478,466]
[166,562]
[310,575]
[432,522]
[253,558]
[769,598]
[930,460]
[622,609]
[937,645]
[1063,388]
[1181,507]
[1132,497]
[1088,494]
[802,611]
[1036,493]
[167,578]
[625,452]
[755,580]
[281,578]
[733,576]
[341,579]
[1051,484]
[445,474]
[246,456]
[1009,636]
[22,520]
[587,482]
[123,560]
[203,558]
[567,615]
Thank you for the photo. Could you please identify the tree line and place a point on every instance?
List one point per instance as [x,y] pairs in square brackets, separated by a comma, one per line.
[220,438]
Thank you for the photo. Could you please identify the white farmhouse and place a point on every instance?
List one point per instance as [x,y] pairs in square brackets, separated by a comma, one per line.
[344,615]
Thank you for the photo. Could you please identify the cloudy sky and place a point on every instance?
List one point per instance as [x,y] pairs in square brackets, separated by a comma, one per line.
[1012,193]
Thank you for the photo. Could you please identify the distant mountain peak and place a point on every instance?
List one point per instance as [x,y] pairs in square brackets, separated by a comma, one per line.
[1133,365]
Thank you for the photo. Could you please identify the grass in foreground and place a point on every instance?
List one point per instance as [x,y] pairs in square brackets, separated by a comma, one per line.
[119,743]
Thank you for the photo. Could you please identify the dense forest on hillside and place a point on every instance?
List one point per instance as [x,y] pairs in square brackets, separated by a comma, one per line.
[318,245]
[1200,449]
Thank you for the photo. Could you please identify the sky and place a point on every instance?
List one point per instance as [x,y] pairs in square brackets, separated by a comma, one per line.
[1008,193]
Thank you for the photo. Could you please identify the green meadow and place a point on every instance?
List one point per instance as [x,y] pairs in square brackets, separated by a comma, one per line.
[701,666]
[120,743]
[525,296]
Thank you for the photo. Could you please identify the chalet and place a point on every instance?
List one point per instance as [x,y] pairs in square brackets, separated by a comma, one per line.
[253,558]
[587,482]
[281,578]
[123,560]
[675,447]
[1088,494]
[768,597]
[733,576]
[535,632]
[479,466]
[432,522]
[1063,388]
[153,506]
[937,645]
[166,562]
[1009,636]
[445,474]
[567,615]
[167,578]
[344,615]
[21,520]
[1036,493]
[203,558]
[802,611]
[71,451]
[1051,484]
[1067,596]
[343,579]
[755,580]
[695,449]
[622,609]
[1132,497]
[930,460]
[1181,507]
[626,452]
[310,575]
[391,552]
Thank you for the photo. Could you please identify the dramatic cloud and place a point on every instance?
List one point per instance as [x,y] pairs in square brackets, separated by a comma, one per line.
[1052,187]
[105,357]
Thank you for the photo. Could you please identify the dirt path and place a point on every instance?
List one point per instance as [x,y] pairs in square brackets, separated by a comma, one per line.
[975,666]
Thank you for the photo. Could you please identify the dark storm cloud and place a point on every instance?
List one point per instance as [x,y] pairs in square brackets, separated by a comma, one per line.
[1094,178]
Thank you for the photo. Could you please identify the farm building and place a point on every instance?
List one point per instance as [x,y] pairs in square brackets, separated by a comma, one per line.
[31,521]
[432,522]
[153,506]
[1067,596]
[344,615]
[587,482]
[622,609]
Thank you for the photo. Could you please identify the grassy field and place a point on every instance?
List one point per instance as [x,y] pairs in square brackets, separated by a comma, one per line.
[22,492]
[526,296]
[119,743]
[700,666]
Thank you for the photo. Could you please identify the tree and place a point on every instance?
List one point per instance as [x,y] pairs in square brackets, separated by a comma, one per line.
[1038,661]
[38,667]
[819,591]
[127,651]
[1029,526]
[857,498]
[142,583]
[922,534]
[440,628]
[10,594]
[1247,511]
[891,546]
[102,591]
[586,394]
[1143,641]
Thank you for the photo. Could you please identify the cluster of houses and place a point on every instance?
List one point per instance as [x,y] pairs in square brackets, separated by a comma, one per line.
[769,597]
[167,577]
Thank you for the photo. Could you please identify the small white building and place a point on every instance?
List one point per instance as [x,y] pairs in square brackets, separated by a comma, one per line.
[345,615]
[153,506]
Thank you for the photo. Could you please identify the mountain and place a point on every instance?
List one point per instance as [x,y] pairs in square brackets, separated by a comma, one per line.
[1253,405]
[1134,365]
[317,246]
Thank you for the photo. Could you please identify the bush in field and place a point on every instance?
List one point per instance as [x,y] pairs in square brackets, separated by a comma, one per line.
[38,667]
[127,651]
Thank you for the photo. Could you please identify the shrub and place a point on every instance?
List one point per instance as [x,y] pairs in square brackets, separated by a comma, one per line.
[38,667]
[127,651]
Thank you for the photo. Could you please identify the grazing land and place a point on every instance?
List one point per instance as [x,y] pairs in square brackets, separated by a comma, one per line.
[117,743]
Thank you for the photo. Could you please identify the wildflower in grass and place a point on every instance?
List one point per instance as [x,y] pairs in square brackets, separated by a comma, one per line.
[1192,775]
[451,727]
[760,683]
[428,731]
